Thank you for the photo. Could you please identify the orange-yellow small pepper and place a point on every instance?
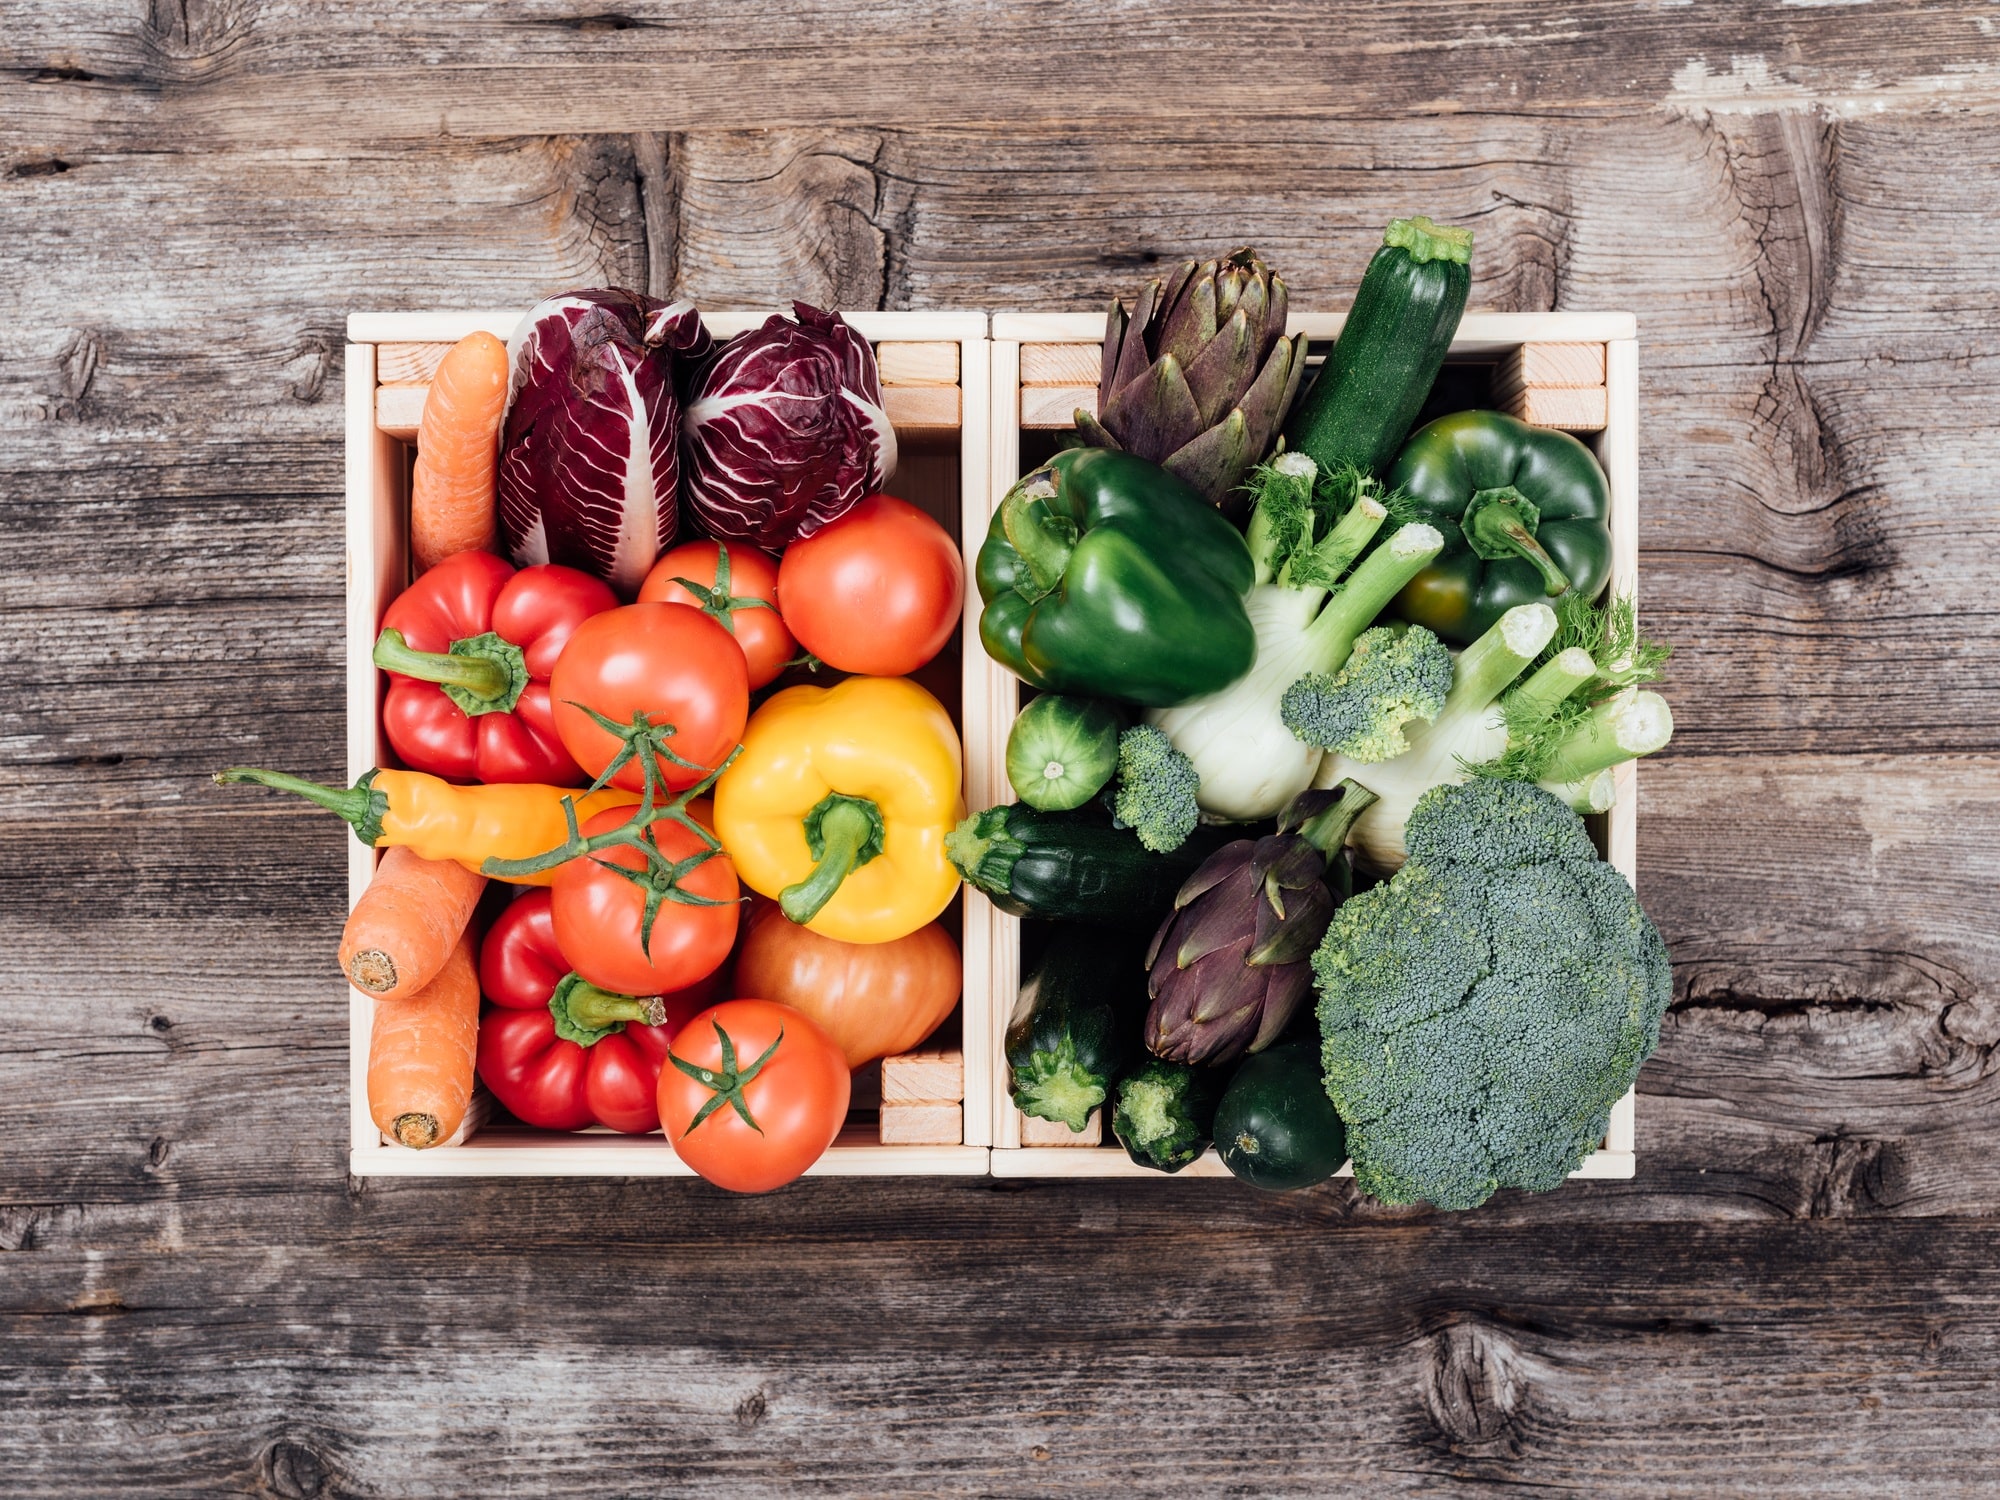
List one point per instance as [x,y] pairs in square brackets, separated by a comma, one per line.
[438,819]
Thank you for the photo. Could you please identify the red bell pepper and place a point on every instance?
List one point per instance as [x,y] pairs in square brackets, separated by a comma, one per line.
[560,1053]
[469,648]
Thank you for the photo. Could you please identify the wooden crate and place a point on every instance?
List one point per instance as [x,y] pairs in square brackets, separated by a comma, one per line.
[1578,371]
[936,369]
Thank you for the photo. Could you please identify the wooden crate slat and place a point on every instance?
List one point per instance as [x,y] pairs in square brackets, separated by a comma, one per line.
[1061,364]
[408,364]
[1055,406]
[917,364]
[935,407]
[1571,409]
[1039,1132]
[399,408]
[933,1077]
[921,1124]
[1549,364]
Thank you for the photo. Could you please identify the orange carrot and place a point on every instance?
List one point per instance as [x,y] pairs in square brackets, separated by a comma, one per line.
[420,1054]
[401,930]
[452,504]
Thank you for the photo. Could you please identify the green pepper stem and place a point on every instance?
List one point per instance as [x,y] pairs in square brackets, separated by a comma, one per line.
[479,675]
[1043,541]
[596,1008]
[844,833]
[360,805]
[1501,523]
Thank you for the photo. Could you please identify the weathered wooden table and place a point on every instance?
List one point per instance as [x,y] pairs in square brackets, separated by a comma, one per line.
[1800,1293]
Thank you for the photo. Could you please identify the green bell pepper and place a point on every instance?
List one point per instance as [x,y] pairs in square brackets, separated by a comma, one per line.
[1524,515]
[1105,575]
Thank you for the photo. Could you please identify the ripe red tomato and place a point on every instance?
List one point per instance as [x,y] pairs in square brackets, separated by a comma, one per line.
[762,1060]
[735,585]
[599,914]
[877,592]
[668,661]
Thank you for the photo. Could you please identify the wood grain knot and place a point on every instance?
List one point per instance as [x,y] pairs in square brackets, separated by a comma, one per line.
[752,1409]
[293,1471]
[1477,1392]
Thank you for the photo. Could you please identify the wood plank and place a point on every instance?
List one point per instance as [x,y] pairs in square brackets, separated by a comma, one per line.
[931,1077]
[1062,364]
[921,1124]
[917,364]
[1570,408]
[244,77]
[1793,1358]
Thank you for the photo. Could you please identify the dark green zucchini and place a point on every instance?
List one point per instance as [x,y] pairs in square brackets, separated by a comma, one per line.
[1165,1113]
[1073,866]
[1275,1127]
[1391,348]
[1076,1023]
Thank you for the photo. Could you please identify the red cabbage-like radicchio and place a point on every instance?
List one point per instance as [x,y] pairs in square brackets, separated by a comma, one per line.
[785,431]
[589,469]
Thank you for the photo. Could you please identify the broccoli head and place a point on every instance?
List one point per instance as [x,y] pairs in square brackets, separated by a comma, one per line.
[1482,1011]
[1156,789]
[1392,676]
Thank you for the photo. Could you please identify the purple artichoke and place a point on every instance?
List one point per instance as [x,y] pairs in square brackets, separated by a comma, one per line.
[1199,378]
[1230,965]
[589,470]
[784,431]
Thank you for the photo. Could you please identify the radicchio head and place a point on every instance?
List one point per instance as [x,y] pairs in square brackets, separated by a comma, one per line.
[589,468]
[785,431]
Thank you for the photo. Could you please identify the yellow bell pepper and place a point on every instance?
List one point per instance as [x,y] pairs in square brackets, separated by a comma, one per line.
[839,805]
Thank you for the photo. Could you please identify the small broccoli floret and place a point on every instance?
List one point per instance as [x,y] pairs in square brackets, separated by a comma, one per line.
[1392,676]
[1482,1011]
[1156,789]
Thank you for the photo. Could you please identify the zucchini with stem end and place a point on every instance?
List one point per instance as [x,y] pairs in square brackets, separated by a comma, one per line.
[1389,351]
[1062,751]
[1073,866]
[1275,1127]
[1165,1114]
[1076,1023]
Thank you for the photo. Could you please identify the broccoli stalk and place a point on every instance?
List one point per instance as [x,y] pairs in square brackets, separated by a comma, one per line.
[1249,763]
[1156,790]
